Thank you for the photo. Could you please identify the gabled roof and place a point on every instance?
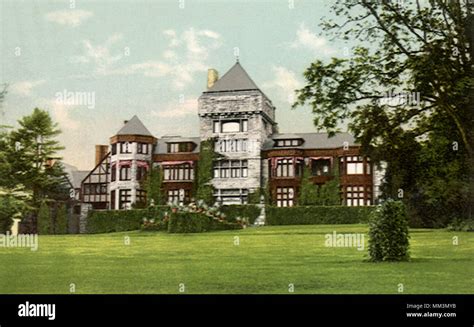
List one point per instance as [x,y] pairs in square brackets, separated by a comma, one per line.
[134,127]
[236,79]
[312,140]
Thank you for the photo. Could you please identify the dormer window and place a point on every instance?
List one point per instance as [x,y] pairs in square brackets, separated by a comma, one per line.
[180,147]
[288,143]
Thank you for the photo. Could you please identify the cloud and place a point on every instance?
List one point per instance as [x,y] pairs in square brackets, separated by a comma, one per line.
[71,17]
[24,88]
[284,82]
[185,55]
[177,109]
[308,40]
[99,55]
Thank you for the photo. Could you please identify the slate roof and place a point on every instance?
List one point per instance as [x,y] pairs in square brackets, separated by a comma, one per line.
[75,176]
[134,127]
[236,79]
[312,140]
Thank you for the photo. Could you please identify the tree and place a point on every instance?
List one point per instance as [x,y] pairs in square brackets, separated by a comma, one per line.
[329,192]
[153,184]
[204,188]
[44,223]
[408,85]
[308,191]
[60,226]
[35,153]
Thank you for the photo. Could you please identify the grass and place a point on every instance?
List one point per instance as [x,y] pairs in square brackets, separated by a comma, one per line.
[267,260]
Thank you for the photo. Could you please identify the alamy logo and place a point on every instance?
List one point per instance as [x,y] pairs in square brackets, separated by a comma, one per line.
[345,240]
[69,98]
[37,310]
[8,240]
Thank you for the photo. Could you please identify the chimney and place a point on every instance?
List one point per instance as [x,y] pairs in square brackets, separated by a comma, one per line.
[212,77]
[100,152]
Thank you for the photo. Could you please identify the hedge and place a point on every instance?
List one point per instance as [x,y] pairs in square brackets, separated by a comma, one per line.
[109,221]
[197,222]
[314,215]
[233,211]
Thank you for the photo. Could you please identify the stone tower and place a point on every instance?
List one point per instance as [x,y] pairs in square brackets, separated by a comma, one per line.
[131,152]
[239,116]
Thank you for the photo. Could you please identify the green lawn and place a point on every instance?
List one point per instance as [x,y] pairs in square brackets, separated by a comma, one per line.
[267,260]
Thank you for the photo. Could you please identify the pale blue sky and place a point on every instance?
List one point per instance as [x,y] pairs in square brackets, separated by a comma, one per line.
[143,57]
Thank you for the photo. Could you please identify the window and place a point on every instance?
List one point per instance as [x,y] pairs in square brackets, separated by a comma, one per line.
[320,167]
[285,196]
[215,126]
[231,145]
[173,147]
[288,143]
[125,173]
[141,196]
[125,197]
[113,176]
[178,172]
[231,169]
[141,172]
[179,147]
[285,168]
[354,165]
[114,149]
[125,147]
[180,196]
[232,196]
[112,200]
[142,148]
[230,126]
[358,195]
[245,125]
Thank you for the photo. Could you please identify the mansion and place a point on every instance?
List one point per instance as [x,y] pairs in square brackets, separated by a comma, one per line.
[241,119]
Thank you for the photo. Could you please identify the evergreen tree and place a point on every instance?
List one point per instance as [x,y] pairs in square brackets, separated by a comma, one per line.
[308,194]
[204,188]
[153,184]
[61,220]
[35,152]
[329,192]
[44,223]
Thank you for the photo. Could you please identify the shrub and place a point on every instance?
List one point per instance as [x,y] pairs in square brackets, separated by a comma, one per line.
[108,221]
[154,225]
[44,222]
[245,211]
[388,232]
[197,222]
[462,225]
[313,215]
[188,222]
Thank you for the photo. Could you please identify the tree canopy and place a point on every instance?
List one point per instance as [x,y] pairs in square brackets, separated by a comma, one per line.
[406,92]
